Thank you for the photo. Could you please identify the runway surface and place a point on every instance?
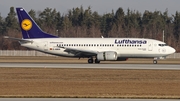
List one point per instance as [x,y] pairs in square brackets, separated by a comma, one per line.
[76,99]
[99,66]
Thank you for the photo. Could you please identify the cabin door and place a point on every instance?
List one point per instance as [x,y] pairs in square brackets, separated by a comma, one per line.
[150,46]
[45,46]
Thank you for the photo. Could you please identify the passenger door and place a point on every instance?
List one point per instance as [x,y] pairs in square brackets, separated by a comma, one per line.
[150,46]
[45,46]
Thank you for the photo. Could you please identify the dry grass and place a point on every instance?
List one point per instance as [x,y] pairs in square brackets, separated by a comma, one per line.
[109,83]
[46,82]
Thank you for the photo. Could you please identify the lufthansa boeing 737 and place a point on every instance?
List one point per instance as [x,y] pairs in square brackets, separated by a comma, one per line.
[102,49]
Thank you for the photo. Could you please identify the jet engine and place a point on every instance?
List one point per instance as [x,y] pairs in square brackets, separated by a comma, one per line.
[110,55]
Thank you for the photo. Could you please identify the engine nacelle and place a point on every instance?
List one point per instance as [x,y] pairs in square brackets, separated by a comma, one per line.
[103,56]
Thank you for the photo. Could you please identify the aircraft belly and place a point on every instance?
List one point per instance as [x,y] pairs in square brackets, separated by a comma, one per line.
[134,53]
[141,55]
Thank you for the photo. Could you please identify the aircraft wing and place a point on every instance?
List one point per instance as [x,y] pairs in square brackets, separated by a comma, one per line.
[80,52]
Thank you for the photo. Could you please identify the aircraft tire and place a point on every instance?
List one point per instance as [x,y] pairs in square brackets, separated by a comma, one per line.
[90,60]
[154,61]
[97,61]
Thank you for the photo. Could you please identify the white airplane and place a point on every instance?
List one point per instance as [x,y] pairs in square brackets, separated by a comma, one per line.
[102,49]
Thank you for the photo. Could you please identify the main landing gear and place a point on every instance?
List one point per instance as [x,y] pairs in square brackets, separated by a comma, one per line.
[90,60]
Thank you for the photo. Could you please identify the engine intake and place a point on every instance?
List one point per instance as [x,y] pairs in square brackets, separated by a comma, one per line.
[103,56]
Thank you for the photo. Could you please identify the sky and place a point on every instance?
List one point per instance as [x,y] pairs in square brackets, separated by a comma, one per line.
[101,6]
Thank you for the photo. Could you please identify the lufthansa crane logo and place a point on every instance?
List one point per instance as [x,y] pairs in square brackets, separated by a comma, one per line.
[26,24]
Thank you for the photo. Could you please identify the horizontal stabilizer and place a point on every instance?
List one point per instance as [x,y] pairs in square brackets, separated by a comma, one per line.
[18,39]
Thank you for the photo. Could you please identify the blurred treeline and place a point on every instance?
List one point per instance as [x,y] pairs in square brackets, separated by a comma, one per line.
[80,22]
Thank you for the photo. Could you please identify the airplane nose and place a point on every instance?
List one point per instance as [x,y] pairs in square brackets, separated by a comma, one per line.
[172,50]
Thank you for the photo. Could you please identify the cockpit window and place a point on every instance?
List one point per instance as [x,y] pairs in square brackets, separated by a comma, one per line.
[162,45]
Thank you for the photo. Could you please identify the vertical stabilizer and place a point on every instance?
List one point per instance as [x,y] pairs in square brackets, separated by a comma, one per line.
[29,27]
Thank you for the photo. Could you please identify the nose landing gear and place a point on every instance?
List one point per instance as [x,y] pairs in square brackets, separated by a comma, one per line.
[155,61]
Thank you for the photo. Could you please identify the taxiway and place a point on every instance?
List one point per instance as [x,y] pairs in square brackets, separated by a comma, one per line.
[93,66]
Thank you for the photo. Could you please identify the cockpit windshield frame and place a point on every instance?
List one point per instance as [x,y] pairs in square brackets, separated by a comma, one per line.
[162,45]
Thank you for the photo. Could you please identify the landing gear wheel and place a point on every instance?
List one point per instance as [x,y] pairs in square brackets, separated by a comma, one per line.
[97,61]
[90,60]
[155,61]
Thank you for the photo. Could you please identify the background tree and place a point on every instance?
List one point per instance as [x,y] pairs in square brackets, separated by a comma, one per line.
[2,25]
[118,23]
[80,22]
[176,30]
[11,20]
[48,20]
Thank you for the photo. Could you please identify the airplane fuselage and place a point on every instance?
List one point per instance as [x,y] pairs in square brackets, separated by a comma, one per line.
[124,47]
